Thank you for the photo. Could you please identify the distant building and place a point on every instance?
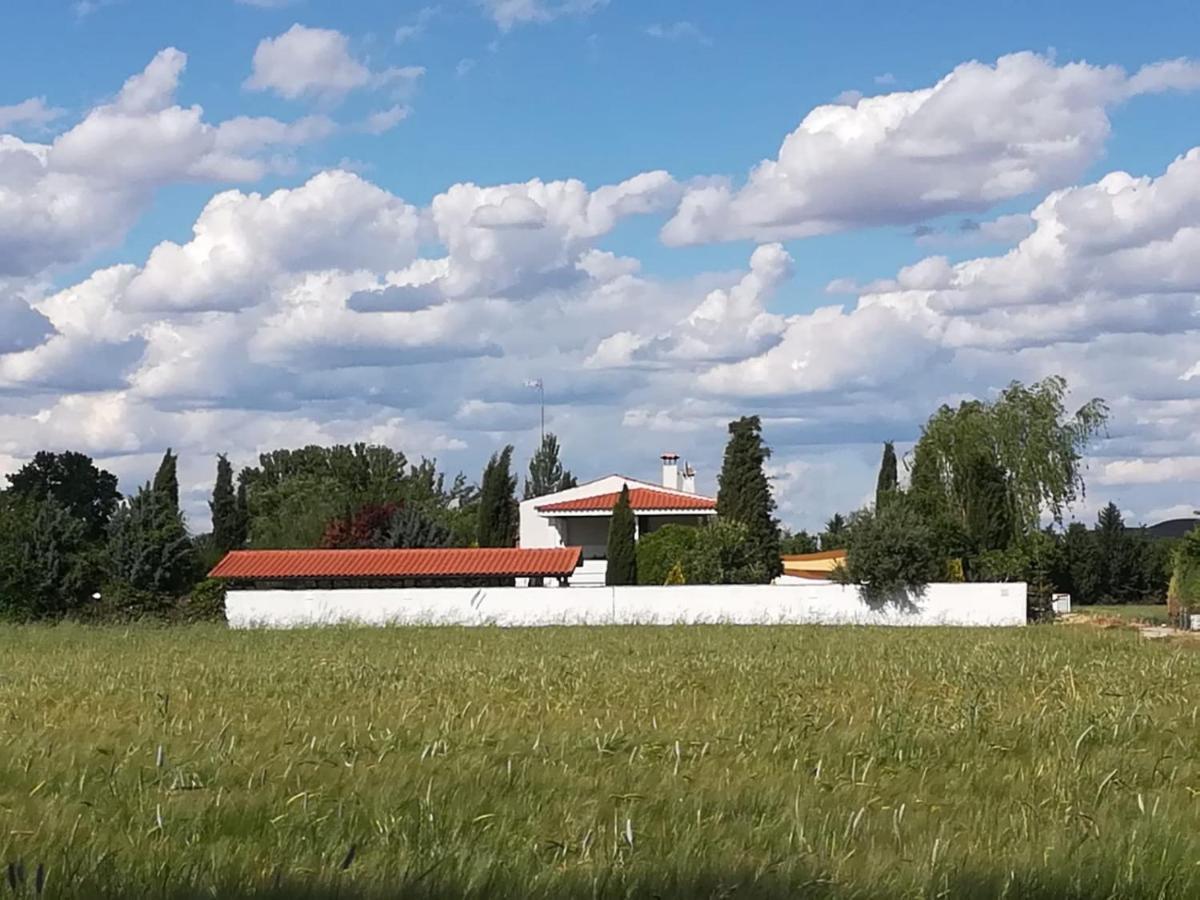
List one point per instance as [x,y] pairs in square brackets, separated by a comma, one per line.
[579,516]
[811,567]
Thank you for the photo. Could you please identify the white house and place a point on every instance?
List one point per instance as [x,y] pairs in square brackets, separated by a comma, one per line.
[579,516]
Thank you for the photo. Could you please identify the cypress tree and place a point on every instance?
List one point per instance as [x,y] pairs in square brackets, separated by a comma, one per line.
[224,507]
[497,505]
[744,493]
[622,554]
[149,548]
[166,480]
[888,482]
[241,522]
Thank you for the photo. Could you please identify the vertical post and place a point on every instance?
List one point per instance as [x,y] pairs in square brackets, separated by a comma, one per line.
[542,397]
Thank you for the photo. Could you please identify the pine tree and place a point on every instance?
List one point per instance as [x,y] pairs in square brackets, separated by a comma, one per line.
[744,493]
[546,472]
[888,483]
[166,479]
[1116,554]
[225,530]
[497,505]
[622,552]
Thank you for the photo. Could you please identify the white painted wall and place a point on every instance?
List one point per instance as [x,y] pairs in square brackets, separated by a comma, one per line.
[826,604]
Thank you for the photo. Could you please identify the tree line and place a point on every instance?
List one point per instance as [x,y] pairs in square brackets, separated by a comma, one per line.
[72,545]
[981,477]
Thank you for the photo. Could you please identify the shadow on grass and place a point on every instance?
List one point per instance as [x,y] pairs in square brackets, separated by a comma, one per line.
[613,883]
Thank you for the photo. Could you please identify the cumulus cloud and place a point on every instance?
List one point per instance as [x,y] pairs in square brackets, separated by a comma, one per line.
[62,201]
[982,134]
[730,322]
[317,63]
[333,310]
[33,113]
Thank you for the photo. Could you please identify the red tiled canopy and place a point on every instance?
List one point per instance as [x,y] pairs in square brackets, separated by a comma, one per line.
[640,499]
[441,563]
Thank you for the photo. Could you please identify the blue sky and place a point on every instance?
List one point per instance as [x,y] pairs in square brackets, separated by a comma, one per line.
[514,90]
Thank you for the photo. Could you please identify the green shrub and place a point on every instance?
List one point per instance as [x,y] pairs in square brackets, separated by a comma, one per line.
[660,551]
[894,554]
[724,553]
[205,603]
[1183,594]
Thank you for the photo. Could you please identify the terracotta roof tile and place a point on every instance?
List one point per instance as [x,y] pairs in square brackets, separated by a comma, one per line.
[639,499]
[440,563]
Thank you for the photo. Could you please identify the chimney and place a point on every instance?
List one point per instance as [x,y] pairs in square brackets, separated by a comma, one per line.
[670,477]
[687,483]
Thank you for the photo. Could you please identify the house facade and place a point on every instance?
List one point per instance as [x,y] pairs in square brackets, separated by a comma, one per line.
[580,516]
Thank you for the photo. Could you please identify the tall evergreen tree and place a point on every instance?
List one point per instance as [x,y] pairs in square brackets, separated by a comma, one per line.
[149,548]
[744,493]
[225,530]
[1116,553]
[497,503]
[546,472]
[622,552]
[241,522]
[166,479]
[888,482]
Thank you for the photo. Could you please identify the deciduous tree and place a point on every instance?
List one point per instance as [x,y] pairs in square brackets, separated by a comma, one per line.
[88,493]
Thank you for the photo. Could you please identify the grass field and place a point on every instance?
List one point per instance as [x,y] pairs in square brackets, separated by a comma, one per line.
[1153,613]
[1047,762]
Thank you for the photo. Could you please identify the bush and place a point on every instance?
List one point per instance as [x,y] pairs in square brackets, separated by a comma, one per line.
[205,603]
[1183,595]
[724,553]
[122,602]
[660,551]
[894,554]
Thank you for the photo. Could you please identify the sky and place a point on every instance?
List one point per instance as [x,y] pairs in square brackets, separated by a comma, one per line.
[228,226]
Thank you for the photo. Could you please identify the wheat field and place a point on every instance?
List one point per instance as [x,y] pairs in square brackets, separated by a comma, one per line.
[1048,762]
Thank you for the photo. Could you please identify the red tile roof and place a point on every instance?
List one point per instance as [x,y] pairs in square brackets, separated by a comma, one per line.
[441,563]
[639,499]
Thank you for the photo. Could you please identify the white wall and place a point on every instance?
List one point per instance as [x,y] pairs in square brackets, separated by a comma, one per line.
[829,604]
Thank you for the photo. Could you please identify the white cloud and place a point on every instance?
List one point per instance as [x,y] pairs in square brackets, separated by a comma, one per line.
[1150,471]
[982,134]
[679,31]
[385,119]
[509,13]
[317,63]
[32,112]
[62,201]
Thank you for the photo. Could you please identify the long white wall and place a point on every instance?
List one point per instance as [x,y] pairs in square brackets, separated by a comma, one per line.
[828,604]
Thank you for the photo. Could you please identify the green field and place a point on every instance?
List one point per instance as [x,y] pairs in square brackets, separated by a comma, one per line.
[1044,762]
[1153,613]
